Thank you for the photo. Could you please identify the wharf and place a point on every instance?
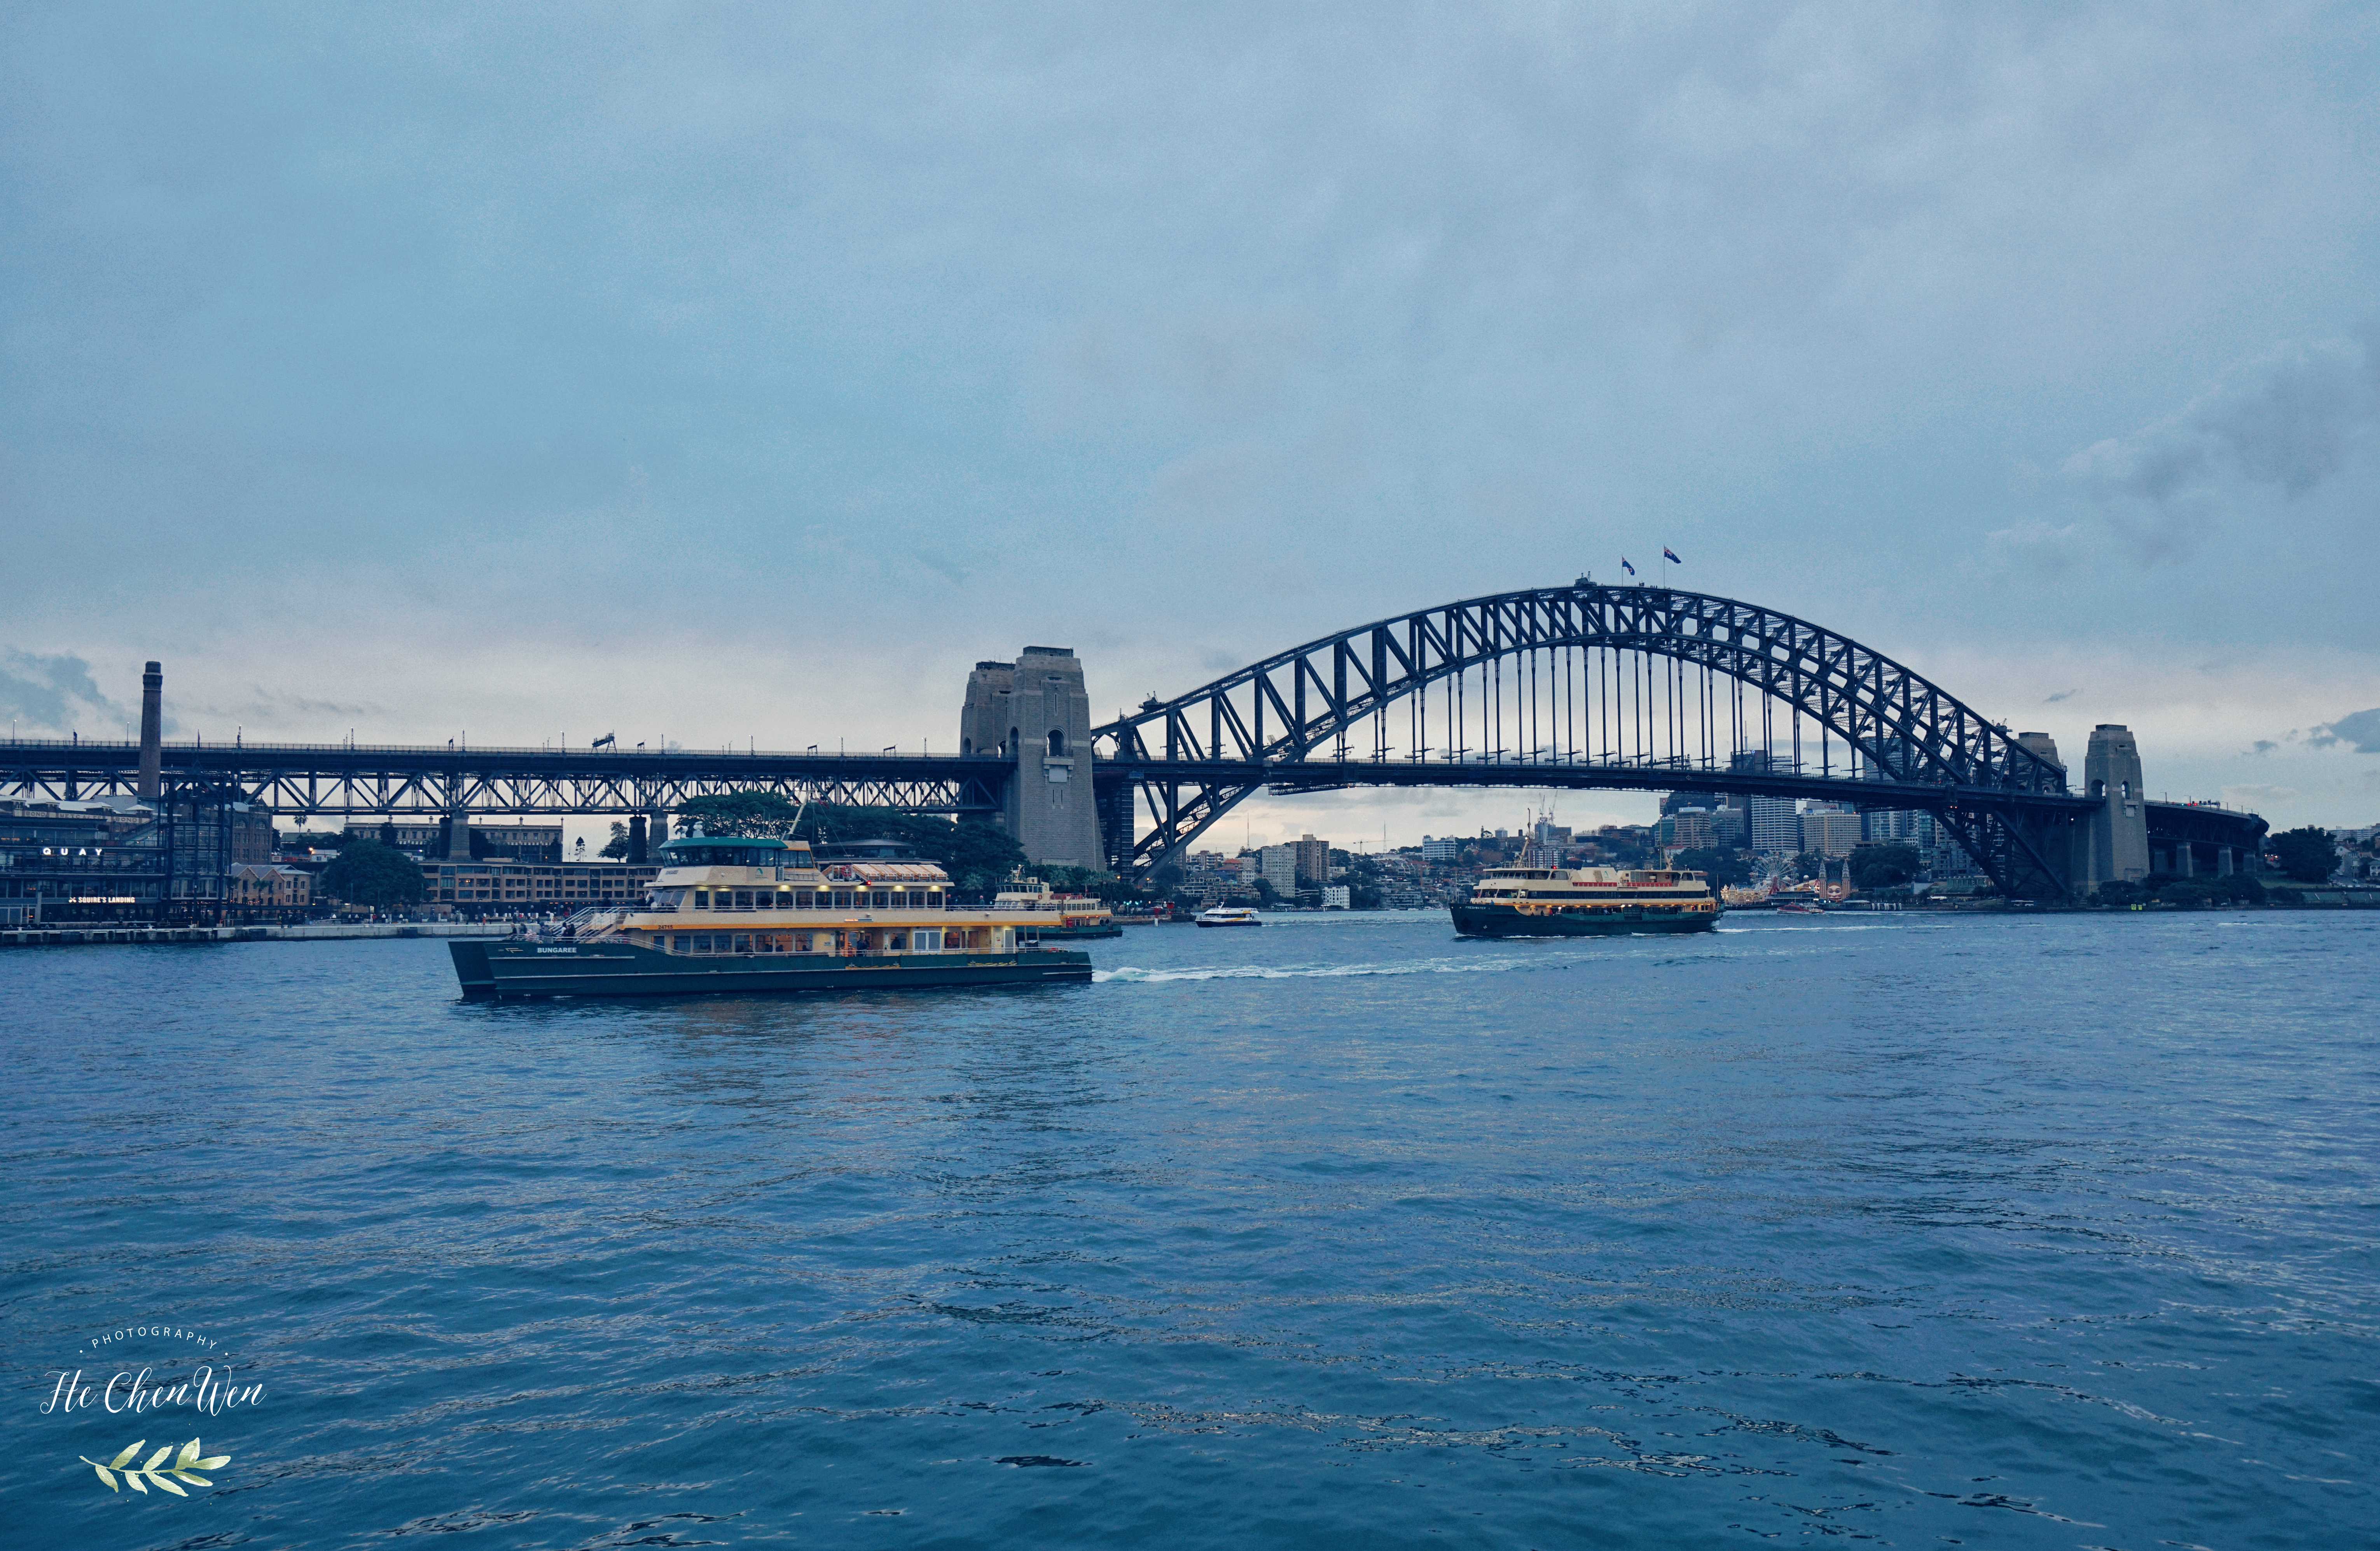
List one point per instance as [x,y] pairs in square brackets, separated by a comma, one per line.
[64,936]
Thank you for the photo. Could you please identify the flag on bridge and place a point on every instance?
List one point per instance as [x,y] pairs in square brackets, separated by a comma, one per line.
[1626,567]
[1668,553]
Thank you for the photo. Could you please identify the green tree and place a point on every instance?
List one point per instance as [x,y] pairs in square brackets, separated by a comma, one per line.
[2305,854]
[367,872]
[617,847]
[760,814]
[2240,888]
[1724,868]
[977,855]
[1886,866]
[2118,894]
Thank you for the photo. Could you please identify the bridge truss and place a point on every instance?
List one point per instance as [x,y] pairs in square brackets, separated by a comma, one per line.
[344,780]
[1587,686]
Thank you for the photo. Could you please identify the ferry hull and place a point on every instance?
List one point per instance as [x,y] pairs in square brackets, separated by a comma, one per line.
[498,970]
[1503,921]
[1073,933]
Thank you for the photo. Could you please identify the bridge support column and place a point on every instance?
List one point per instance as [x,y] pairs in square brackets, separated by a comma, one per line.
[657,833]
[458,835]
[2120,826]
[636,838]
[2222,861]
[2185,859]
[1038,709]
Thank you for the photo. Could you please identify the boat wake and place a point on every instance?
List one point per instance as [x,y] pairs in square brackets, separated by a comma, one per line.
[1129,975]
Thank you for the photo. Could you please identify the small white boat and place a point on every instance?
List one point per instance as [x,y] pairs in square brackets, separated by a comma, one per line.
[1223,915]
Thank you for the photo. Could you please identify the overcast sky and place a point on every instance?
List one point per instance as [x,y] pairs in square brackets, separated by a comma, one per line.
[721,373]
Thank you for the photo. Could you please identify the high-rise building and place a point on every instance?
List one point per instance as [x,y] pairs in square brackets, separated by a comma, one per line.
[1443,852]
[1827,830]
[1277,866]
[1768,822]
[1313,862]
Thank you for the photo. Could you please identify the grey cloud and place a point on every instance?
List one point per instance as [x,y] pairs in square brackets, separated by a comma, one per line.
[2264,746]
[2062,694]
[266,707]
[2289,422]
[53,694]
[2360,732]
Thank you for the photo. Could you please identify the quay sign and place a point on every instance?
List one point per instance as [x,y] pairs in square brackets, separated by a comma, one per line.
[101,899]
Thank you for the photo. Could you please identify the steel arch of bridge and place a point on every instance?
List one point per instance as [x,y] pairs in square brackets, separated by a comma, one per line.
[1188,760]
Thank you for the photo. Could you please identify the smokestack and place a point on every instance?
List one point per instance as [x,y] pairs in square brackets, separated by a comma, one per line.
[152,731]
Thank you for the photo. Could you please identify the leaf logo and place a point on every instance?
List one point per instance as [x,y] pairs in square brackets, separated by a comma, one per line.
[186,1466]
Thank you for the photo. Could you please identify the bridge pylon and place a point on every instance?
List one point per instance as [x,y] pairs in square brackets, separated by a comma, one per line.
[1036,713]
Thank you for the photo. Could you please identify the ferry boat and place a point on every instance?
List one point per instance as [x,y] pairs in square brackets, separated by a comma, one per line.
[744,915]
[1531,902]
[1076,915]
[1228,915]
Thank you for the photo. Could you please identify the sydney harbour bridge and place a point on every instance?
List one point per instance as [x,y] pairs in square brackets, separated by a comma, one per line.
[1579,686]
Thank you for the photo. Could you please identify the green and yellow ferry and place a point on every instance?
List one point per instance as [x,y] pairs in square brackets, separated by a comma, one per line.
[1063,917]
[1529,902]
[746,915]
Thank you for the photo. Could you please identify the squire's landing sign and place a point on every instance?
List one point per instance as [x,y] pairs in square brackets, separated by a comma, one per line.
[152,1386]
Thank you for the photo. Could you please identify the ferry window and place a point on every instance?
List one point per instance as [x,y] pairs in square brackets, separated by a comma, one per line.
[743,944]
[841,900]
[742,898]
[882,899]
[806,900]
[702,899]
[926,941]
[801,942]
[898,942]
[677,945]
[784,900]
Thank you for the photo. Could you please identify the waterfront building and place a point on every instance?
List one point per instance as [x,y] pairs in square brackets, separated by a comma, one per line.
[1277,866]
[475,887]
[256,887]
[1441,853]
[519,841]
[1338,897]
[1313,862]
[80,862]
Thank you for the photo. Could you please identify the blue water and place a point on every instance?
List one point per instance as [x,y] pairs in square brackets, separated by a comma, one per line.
[2054,1232]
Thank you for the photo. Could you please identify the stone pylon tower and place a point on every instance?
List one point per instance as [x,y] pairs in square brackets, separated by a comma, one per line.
[2119,826]
[1037,713]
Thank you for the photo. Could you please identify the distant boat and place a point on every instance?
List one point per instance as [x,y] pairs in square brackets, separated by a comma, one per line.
[1077,915]
[1223,915]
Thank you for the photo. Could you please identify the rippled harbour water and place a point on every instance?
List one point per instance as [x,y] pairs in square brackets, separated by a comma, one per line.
[1339,1232]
